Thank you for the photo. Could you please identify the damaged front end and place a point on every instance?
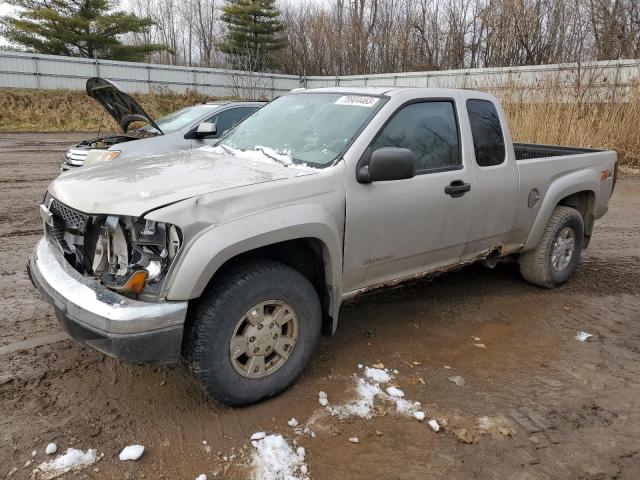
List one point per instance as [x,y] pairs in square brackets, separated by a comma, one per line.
[128,255]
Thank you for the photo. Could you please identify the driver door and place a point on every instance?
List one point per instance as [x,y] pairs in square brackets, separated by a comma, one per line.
[395,229]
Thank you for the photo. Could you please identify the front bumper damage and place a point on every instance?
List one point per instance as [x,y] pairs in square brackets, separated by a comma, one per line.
[118,326]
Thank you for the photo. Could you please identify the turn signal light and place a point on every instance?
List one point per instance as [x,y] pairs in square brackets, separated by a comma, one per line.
[136,282]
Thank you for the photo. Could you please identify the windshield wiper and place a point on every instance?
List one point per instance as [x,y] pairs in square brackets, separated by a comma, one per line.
[282,162]
[226,149]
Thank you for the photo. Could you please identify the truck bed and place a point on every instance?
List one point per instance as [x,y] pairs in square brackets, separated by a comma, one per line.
[529,151]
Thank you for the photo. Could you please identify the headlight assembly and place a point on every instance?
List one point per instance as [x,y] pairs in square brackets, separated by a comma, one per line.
[132,256]
[96,156]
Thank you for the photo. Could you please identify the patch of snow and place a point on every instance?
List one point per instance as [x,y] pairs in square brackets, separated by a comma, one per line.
[354,439]
[274,459]
[361,407]
[323,399]
[360,366]
[51,449]
[583,336]
[202,476]
[458,380]
[303,469]
[293,422]
[433,423]
[73,459]
[405,407]
[420,416]
[258,436]
[377,375]
[260,154]
[395,392]
[34,453]
[304,431]
[132,452]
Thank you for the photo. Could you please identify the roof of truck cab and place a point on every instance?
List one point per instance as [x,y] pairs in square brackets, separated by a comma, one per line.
[391,91]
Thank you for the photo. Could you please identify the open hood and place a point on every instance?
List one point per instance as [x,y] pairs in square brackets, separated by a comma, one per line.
[124,109]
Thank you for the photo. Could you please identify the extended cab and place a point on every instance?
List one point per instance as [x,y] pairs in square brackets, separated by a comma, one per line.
[238,256]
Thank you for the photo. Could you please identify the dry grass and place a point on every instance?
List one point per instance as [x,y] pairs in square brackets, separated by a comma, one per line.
[599,125]
[614,126]
[72,110]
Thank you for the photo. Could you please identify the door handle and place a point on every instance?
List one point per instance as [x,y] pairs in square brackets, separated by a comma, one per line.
[457,188]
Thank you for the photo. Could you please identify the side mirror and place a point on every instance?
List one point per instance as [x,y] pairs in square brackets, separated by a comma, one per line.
[388,163]
[203,130]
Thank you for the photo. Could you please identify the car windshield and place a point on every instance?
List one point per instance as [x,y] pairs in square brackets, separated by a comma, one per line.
[180,119]
[309,128]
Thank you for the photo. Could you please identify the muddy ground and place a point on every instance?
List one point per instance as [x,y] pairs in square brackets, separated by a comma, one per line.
[570,409]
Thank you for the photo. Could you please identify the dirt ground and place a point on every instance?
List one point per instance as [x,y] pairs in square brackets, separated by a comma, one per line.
[567,409]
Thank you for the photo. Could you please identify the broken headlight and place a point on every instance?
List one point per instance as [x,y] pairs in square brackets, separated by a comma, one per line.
[132,256]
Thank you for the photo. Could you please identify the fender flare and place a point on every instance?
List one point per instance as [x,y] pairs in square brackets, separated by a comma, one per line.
[196,266]
[562,187]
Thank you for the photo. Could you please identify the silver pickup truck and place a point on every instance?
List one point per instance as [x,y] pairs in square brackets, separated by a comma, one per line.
[237,257]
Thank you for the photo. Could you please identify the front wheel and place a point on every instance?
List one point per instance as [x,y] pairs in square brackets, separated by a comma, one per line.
[253,332]
[557,255]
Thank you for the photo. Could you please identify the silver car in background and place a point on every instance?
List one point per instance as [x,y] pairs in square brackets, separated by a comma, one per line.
[190,127]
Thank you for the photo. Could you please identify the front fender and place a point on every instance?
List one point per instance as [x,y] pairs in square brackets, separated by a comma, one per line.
[561,187]
[215,245]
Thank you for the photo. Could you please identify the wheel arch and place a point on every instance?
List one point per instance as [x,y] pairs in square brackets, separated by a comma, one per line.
[311,248]
[576,190]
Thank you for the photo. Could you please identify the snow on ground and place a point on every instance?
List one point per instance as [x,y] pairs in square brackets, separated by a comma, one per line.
[369,389]
[73,459]
[132,452]
[274,459]
[435,426]
[377,375]
[395,392]
[51,449]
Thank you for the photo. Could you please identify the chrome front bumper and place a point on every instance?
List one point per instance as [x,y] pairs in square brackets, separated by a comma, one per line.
[116,325]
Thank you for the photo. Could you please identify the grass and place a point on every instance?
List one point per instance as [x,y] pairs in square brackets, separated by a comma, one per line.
[603,124]
[72,110]
[612,126]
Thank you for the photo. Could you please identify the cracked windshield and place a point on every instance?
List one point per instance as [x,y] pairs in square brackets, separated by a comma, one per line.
[312,129]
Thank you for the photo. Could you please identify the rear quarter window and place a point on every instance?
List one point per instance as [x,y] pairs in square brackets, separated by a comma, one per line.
[488,141]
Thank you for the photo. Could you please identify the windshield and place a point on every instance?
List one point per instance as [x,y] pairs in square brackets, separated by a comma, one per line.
[180,119]
[310,128]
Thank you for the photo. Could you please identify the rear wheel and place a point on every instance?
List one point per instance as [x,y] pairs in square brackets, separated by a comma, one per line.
[253,332]
[557,255]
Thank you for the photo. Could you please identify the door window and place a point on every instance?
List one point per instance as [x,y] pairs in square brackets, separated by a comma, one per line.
[229,118]
[488,141]
[430,130]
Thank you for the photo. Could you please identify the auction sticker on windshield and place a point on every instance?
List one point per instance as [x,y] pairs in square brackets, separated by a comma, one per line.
[357,100]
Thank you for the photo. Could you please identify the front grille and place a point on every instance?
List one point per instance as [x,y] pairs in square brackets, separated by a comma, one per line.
[74,158]
[71,219]
[67,228]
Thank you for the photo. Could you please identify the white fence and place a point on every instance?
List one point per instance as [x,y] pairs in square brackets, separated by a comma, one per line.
[616,80]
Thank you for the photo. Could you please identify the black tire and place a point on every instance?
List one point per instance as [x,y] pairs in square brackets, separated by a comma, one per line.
[536,265]
[206,348]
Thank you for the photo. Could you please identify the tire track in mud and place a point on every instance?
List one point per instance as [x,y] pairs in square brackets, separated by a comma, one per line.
[33,342]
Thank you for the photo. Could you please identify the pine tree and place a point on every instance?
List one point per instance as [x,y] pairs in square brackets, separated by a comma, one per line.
[254,32]
[77,28]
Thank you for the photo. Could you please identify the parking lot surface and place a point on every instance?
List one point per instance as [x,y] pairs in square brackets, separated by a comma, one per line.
[555,407]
